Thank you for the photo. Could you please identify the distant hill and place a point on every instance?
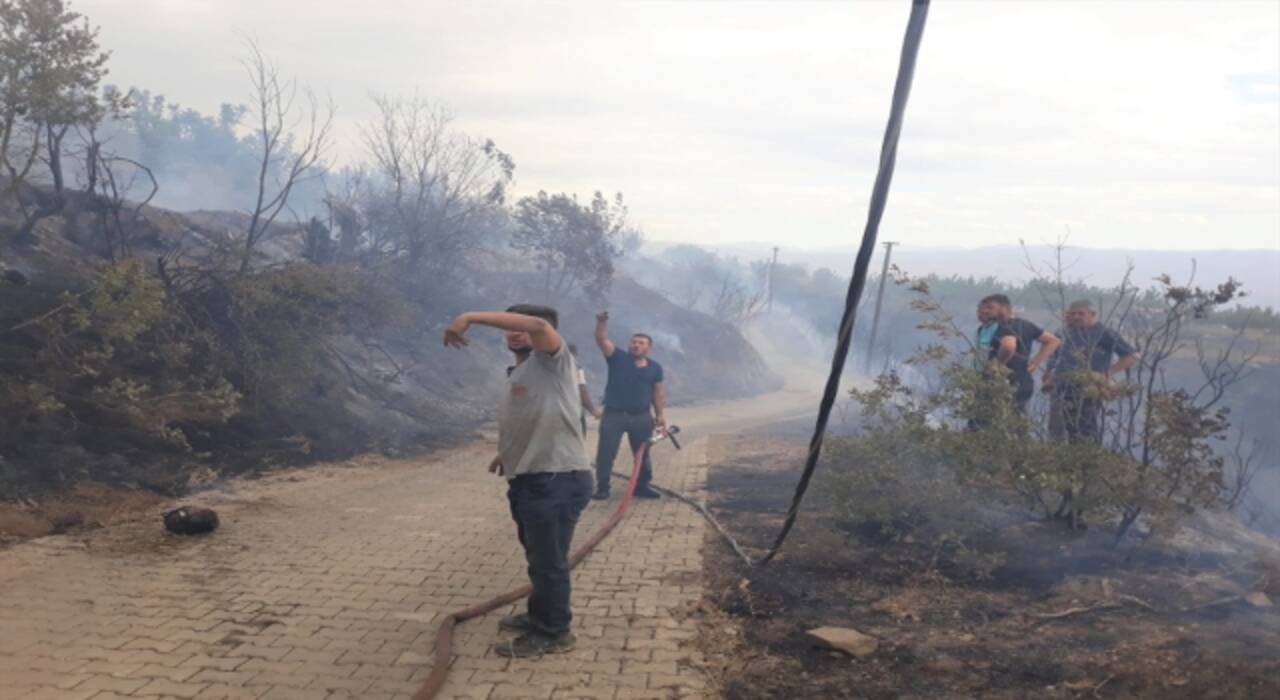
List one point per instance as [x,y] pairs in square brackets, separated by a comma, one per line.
[1259,270]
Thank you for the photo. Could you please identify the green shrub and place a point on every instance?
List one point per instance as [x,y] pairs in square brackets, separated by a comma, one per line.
[135,365]
[929,456]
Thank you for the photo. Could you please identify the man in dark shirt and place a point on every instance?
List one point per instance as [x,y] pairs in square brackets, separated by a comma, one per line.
[1012,347]
[1088,346]
[634,386]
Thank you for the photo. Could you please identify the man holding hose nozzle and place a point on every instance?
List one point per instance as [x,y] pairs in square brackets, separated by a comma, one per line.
[634,403]
[543,455]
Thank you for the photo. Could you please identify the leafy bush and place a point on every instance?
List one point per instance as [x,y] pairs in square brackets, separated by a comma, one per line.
[135,365]
[929,451]
[114,367]
[278,326]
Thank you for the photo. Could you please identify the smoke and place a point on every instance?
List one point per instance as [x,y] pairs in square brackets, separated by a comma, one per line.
[669,342]
[797,349]
[1261,507]
[791,345]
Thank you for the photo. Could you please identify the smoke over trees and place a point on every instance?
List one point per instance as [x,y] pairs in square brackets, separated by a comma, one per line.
[425,185]
[291,141]
[168,337]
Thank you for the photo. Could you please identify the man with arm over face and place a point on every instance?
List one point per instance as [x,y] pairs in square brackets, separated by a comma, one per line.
[542,453]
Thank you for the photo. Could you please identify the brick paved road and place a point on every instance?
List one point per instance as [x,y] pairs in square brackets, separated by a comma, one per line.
[330,582]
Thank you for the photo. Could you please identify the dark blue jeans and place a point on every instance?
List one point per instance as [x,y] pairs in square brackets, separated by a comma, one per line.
[546,507]
[638,427]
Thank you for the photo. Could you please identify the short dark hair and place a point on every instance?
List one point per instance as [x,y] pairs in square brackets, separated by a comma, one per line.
[1000,299]
[546,313]
[646,336]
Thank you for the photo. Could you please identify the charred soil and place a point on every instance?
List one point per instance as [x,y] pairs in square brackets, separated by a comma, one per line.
[1063,615]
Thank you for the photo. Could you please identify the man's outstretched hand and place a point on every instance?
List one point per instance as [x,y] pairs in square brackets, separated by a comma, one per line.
[602,317]
[455,336]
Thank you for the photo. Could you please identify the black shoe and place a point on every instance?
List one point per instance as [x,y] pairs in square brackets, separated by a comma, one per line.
[601,494]
[647,492]
[517,623]
[535,644]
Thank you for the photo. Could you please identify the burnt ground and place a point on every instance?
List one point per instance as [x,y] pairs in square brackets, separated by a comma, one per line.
[1064,616]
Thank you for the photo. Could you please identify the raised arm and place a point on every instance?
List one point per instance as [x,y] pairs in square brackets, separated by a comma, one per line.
[542,335]
[1048,345]
[602,334]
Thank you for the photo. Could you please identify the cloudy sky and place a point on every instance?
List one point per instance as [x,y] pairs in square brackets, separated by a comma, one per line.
[1141,124]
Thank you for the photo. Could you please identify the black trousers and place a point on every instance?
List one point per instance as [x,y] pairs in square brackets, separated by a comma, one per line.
[546,507]
[638,427]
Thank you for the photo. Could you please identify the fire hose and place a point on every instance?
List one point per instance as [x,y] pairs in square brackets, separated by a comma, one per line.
[879,198]
[444,636]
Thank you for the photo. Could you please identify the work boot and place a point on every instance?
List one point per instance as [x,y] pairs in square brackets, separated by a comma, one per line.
[601,494]
[517,623]
[646,492]
[535,644]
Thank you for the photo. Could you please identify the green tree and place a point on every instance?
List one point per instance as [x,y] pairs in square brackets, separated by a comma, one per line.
[50,70]
[573,245]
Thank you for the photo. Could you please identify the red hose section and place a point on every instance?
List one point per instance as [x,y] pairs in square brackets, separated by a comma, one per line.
[444,636]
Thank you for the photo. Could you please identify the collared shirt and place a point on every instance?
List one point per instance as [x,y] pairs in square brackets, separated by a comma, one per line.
[1091,347]
[539,426]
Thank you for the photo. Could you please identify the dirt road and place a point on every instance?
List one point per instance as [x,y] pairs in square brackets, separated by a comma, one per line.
[329,583]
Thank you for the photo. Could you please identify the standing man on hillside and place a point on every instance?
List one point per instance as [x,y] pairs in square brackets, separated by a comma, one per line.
[634,403]
[544,458]
[1086,354]
[1013,340]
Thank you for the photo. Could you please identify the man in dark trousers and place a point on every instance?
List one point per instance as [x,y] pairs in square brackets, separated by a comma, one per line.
[1086,355]
[543,455]
[1014,338]
[634,403]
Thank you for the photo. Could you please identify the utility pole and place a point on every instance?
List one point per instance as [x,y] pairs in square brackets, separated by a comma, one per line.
[769,286]
[875,318]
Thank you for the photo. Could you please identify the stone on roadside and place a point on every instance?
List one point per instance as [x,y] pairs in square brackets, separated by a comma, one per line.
[188,520]
[1258,599]
[849,641]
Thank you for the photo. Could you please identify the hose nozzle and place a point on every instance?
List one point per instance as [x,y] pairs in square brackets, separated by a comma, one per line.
[671,433]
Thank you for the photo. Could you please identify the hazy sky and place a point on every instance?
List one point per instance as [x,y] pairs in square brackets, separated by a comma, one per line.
[1133,124]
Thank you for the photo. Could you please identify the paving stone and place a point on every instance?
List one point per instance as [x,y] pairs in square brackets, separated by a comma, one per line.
[341,598]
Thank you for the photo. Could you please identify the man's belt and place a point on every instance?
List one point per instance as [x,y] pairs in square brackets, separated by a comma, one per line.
[641,412]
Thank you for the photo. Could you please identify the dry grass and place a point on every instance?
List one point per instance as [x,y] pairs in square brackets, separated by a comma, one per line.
[85,506]
[22,523]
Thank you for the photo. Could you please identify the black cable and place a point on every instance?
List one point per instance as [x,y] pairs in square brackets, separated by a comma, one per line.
[879,196]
